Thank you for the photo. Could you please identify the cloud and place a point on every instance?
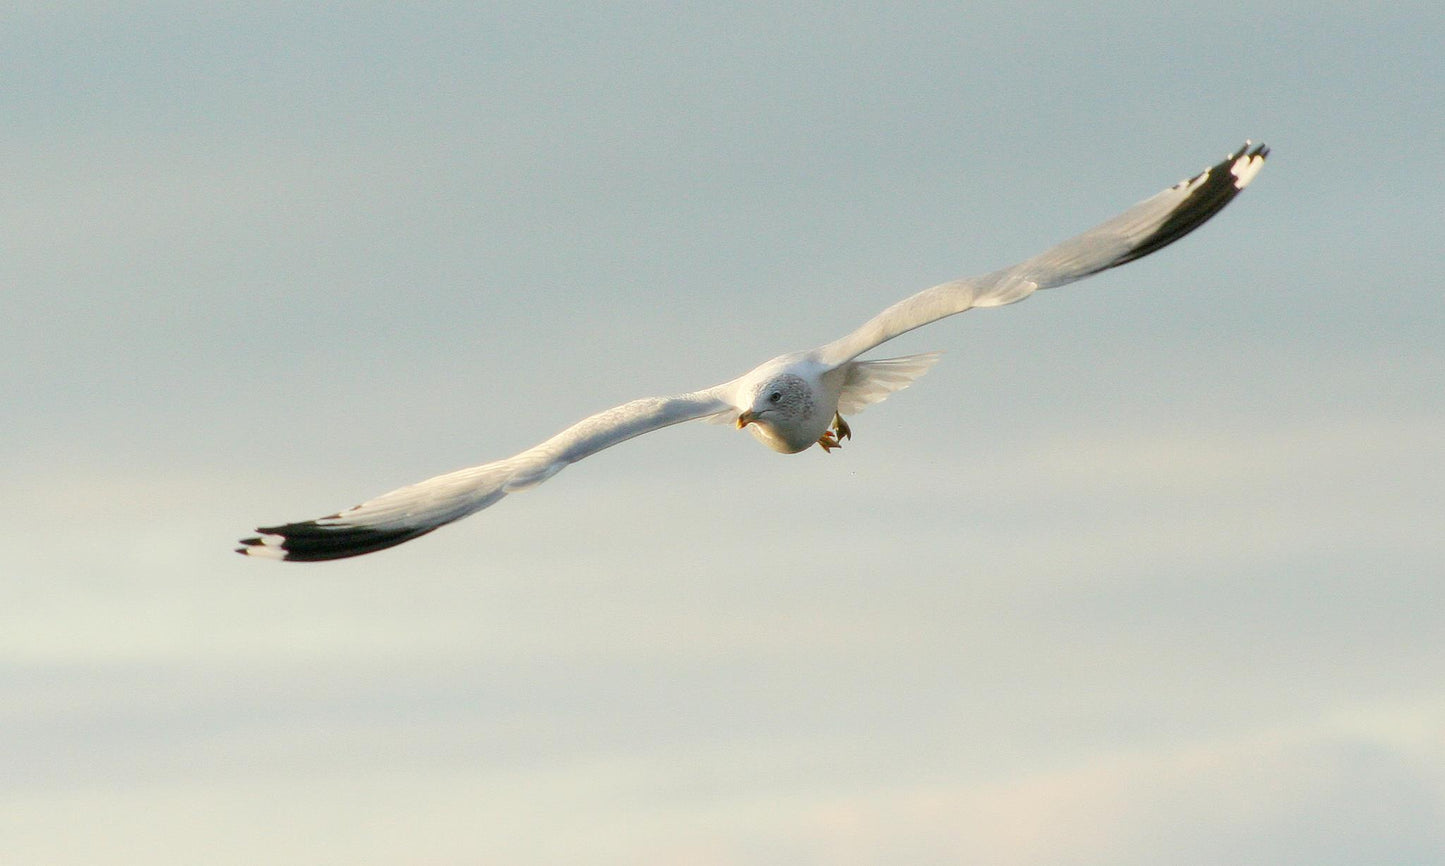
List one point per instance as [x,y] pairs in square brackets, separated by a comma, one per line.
[1362,787]
[1317,793]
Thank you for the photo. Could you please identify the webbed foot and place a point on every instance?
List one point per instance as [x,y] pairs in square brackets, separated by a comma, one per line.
[832,437]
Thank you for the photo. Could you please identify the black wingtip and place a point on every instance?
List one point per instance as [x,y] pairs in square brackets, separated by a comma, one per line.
[310,541]
[1208,193]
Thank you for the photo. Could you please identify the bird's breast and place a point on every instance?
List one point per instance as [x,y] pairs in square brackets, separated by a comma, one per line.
[789,436]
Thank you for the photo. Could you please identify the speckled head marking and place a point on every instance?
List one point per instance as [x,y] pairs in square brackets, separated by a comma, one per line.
[786,396]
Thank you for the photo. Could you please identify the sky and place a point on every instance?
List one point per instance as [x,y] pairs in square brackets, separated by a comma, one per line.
[1147,570]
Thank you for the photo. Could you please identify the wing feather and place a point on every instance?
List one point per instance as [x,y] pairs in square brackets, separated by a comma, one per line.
[868,382]
[414,510]
[1148,226]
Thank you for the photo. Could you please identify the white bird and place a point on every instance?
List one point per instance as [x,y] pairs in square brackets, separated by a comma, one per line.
[789,403]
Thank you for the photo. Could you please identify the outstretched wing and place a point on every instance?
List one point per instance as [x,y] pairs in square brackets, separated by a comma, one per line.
[1150,225]
[408,512]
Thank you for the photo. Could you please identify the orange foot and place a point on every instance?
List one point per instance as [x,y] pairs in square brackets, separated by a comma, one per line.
[832,437]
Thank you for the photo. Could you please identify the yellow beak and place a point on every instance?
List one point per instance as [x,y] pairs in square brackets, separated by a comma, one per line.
[746,418]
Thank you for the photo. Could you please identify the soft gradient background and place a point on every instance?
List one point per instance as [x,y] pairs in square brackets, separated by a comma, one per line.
[1148,570]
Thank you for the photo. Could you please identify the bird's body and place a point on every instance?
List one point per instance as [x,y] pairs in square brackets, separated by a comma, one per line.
[790,402]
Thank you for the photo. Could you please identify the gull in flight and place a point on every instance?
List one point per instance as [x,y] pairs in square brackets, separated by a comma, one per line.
[790,403]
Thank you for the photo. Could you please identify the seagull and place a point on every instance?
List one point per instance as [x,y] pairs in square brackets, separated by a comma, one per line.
[791,403]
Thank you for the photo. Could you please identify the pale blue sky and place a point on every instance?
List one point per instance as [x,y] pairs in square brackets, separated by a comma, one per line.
[1147,570]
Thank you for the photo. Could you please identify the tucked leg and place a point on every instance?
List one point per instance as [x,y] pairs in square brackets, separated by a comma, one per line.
[832,437]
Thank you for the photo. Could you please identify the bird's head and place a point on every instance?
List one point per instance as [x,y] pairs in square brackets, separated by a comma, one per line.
[778,401]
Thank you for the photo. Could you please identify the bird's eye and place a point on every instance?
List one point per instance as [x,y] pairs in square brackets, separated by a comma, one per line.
[775,396]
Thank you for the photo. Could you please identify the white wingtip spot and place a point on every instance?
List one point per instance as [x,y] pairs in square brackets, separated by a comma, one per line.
[266,546]
[1245,168]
